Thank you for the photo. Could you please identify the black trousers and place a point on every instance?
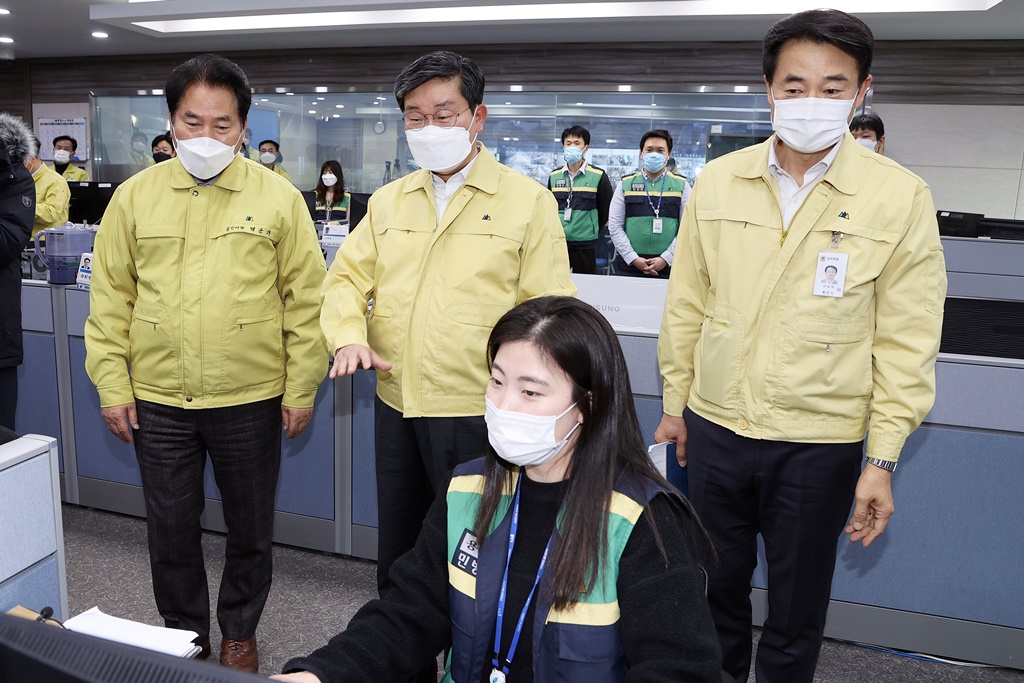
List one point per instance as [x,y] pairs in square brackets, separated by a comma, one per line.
[244,444]
[583,259]
[798,497]
[8,396]
[413,457]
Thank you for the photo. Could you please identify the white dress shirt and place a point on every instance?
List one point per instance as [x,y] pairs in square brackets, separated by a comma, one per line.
[445,190]
[791,195]
[617,223]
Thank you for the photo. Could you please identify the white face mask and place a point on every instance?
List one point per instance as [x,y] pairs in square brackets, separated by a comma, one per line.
[61,156]
[440,149]
[522,439]
[139,147]
[268,158]
[867,143]
[811,124]
[329,179]
[204,158]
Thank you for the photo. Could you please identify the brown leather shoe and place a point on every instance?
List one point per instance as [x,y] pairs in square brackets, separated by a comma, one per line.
[240,654]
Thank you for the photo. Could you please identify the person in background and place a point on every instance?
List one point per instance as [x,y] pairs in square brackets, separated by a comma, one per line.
[771,380]
[17,214]
[247,149]
[203,340]
[869,131]
[562,546]
[137,156]
[163,147]
[53,198]
[270,154]
[331,198]
[64,149]
[443,252]
[645,211]
[583,193]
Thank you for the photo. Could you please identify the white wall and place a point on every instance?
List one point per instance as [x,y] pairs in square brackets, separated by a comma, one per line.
[972,156]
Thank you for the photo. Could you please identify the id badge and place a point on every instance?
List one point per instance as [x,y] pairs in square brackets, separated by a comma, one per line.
[656,226]
[830,275]
[567,214]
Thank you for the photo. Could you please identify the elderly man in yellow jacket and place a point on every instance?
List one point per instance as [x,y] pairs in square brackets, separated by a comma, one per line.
[443,253]
[203,338]
[773,370]
[53,197]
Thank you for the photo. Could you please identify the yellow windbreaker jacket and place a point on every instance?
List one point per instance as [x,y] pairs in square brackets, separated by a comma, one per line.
[438,289]
[72,174]
[746,344]
[53,199]
[206,296]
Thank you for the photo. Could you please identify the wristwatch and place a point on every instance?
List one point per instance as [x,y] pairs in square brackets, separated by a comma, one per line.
[888,465]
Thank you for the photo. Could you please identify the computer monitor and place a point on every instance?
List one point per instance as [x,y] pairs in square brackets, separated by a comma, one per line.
[32,652]
[310,197]
[89,201]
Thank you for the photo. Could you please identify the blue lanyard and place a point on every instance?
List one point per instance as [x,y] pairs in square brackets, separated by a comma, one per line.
[504,590]
[661,193]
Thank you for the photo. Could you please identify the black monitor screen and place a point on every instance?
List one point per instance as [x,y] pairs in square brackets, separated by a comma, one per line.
[31,652]
[89,201]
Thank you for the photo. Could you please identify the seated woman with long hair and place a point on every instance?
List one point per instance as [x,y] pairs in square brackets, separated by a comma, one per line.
[562,554]
[331,198]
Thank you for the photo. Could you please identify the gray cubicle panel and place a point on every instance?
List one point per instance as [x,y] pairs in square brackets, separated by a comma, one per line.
[38,409]
[32,562]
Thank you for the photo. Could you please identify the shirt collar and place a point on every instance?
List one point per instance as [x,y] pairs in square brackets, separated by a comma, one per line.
[581,171]
[459,178]
[818,169]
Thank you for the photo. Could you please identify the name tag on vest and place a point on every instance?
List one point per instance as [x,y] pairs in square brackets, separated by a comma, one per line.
[467,553]
[638,187]
[559,183]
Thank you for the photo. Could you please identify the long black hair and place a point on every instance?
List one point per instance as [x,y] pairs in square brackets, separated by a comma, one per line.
[338,191]
[578,340]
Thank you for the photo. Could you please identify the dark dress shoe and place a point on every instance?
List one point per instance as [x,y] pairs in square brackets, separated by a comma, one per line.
[240,654]
[204,643]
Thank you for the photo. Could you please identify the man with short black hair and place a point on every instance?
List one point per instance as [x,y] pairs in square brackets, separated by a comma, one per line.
[583,192]
[443,252]
[270,152]
[203,339]
[869,131]
[64,149]
[772,377]
[646,209]
[137,157]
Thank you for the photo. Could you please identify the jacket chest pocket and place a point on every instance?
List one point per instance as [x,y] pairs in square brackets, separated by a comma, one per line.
[159,250]
[253,248]
[868,249]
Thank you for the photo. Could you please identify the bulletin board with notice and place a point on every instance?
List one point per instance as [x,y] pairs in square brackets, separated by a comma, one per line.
[49,128]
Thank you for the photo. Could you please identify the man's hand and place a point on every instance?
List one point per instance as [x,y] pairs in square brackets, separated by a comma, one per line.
[655,266]
[673,428]
[118,419]
[640,264]
[297,677]
[295,419]
[350,358]
[874,505]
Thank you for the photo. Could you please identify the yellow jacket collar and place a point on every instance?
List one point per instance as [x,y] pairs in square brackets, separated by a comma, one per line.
[483,176]
[231,178]
[842,174]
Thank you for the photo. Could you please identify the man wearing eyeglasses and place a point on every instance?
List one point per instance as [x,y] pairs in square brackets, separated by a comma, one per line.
[443,253]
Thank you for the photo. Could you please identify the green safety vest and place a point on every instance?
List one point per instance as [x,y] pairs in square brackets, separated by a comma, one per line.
[640,214]
[580,195]
[338,211]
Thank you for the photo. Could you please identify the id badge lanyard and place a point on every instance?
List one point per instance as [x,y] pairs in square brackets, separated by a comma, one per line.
[656,225]
[567,214]
[501,667]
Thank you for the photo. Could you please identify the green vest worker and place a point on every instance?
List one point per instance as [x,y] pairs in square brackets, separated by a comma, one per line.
[562,554]
[331,198]
[583,193]
[64,148]
[644,215]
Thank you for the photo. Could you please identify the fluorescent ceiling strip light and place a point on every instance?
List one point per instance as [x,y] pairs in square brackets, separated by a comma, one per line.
[491,14]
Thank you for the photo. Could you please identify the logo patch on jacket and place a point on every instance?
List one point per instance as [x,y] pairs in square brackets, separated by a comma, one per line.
[27,201]
[845,215]
[466,553]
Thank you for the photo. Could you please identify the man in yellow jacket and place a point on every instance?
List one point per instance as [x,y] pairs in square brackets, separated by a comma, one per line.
[64,150]
[53,197]
[773,370]
[203,338]
[443,252]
